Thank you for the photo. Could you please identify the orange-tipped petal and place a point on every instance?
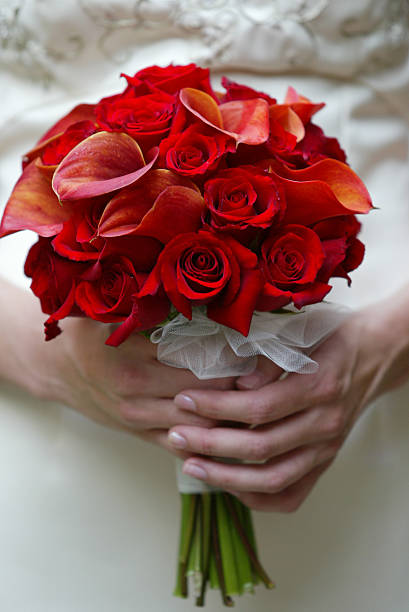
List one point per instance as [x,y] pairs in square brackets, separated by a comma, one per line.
[177,210]
[33,205]
[288,119]
[101,163]
[202,106]
[304,108]
[244,120]
[126,210]
[328,188]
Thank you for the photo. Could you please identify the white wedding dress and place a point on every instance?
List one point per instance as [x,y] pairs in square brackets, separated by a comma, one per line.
[89,517]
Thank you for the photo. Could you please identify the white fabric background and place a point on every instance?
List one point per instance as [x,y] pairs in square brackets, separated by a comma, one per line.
[89,517]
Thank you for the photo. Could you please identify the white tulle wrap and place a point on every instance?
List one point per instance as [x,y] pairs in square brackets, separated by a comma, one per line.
[211,350]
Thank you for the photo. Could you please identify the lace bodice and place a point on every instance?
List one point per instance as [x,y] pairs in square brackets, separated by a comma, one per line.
[51,42]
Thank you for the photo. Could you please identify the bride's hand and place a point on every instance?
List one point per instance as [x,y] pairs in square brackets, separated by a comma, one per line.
[299,422]
[123,388]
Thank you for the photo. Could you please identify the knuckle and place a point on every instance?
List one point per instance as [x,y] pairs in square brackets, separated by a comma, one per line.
[334,422]
[330,388]
[128,413]
[127,380]
[260,449]
[275,482]
[258,411]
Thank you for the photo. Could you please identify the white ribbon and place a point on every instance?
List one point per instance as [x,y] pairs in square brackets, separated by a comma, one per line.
[211,350]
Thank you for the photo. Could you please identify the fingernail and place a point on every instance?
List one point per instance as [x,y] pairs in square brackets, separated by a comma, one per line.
[177,440]
[192,469]
[185,402]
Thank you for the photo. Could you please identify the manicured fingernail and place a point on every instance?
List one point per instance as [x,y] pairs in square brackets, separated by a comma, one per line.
[177,440]
[192,469]
[185,402]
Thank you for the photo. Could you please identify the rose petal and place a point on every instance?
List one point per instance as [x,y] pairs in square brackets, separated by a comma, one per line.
[102,163]
[244,120]
[33,205]
[238,314]
[82,112]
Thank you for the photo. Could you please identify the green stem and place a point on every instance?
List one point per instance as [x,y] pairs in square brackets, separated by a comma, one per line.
[244,569]
[256,563]
[206,545]
[217,555]
[189,505]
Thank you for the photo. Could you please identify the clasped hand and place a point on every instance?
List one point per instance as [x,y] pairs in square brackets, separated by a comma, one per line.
[290,428]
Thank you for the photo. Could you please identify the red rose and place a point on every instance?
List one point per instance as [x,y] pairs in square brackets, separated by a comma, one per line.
[241,198]
[199,268]
[146,118]
[291,261]
[238,91]
[53,282]
[108,293]
[57,149]
[314,147]
[173,78]
[196,151]
[78,240]
[343,251]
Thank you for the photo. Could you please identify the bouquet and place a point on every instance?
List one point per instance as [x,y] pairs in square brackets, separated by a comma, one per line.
[211,221]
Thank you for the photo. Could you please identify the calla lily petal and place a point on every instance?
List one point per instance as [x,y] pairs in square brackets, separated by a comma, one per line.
[33,205]
[163,205]
[327,189]
[244,120]
[102,163]
[288,119]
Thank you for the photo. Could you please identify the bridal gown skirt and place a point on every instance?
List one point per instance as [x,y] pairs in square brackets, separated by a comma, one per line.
[90,517]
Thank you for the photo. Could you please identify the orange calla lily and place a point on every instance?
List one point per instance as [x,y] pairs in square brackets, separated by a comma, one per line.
[33,205]
[103,162]
[162,205]
[246,121]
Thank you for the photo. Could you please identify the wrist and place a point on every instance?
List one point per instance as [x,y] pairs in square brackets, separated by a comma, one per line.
[26,360]
[386,328]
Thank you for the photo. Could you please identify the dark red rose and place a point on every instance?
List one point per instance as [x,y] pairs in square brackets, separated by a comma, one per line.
[195,152]
[291,261]
[57,149]
[172,78]
[239,199]
[199,268]
[314,147]
[53,282]
[238,91]
[79,240]
[109,293]
[342,249]
[146,118]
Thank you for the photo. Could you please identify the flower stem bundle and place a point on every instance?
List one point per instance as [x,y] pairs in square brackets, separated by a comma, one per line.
[217,548]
